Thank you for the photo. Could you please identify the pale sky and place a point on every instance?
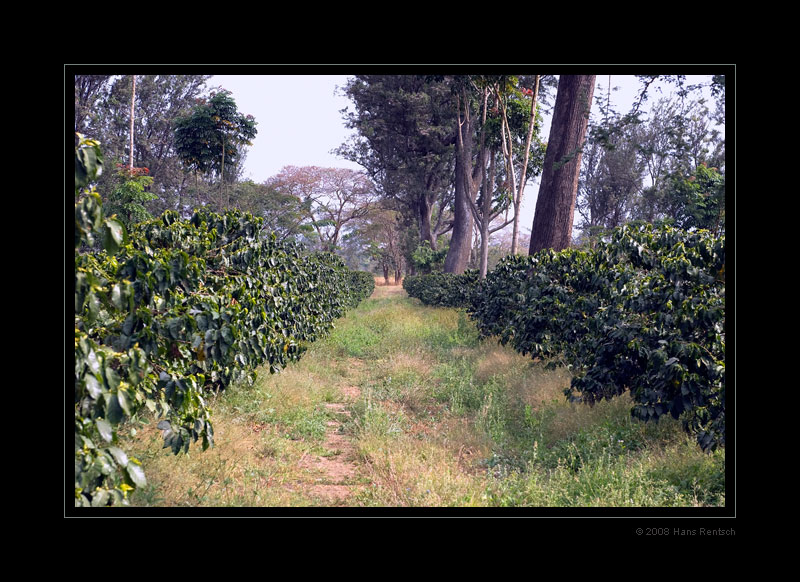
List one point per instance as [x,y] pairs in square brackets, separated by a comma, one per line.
[299,121]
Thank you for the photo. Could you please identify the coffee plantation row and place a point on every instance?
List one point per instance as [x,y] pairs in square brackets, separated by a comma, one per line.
[644,311]
[175,308]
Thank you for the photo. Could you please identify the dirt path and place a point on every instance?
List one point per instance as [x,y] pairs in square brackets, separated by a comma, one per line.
[336,471]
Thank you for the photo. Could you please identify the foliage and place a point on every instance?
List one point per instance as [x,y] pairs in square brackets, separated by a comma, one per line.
[130,195]
[404,139]
[700,199]
[331,199]
[103,109]
[611,176]
[90,224]
[212,136]
[426,260]
[178,307]
[644,311]
[637,167]
[362,284]
[443,289]
[502,296]
[282,212]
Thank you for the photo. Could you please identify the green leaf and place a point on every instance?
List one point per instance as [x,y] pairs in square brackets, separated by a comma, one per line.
[92,386]
[105,430]
[136,473]
[101,498]
[114,411]
[93,361]
[120,296]
[88,166]
[202,322]
[115,236]
[174,326]
[119,456]
[124,401]
[103,464]
[112,378]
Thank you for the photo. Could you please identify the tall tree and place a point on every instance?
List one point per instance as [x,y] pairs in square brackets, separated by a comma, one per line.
[89,90]
[673,143]
[404,141]
[133,117]
[214,135]
[555,206]
[498,193]
[611,178]
[283,213]
[130,196]
[472,154]
[518,186]
[383,232]
[663,163]
[487,208]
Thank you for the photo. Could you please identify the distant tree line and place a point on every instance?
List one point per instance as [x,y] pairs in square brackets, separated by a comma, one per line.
[445,160]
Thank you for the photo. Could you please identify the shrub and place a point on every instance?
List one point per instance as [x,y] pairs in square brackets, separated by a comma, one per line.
[362,284]
[443,289]
[174,308]
[644,311]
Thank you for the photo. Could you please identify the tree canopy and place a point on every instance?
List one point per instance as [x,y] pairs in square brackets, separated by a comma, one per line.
[449,154]
[213,135]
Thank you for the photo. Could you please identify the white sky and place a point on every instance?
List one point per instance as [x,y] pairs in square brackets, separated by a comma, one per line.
[299,121]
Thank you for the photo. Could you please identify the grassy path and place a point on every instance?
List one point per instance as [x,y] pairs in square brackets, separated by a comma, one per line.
[404,406]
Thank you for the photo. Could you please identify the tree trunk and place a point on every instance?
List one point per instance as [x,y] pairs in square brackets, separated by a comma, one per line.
[457,257]
[484,260]
[133,103]
[425,209]
[521,187]
[485,218]
[468,178]
[222,179]
[555,207]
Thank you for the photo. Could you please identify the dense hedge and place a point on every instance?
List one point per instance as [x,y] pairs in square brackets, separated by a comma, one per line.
[443,289]
[362,284]
[180,307]
[643,311]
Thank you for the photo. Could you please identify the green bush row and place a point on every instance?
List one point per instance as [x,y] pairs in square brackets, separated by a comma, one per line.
[362,284]
[643,311]
[443,289]
[181,307]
